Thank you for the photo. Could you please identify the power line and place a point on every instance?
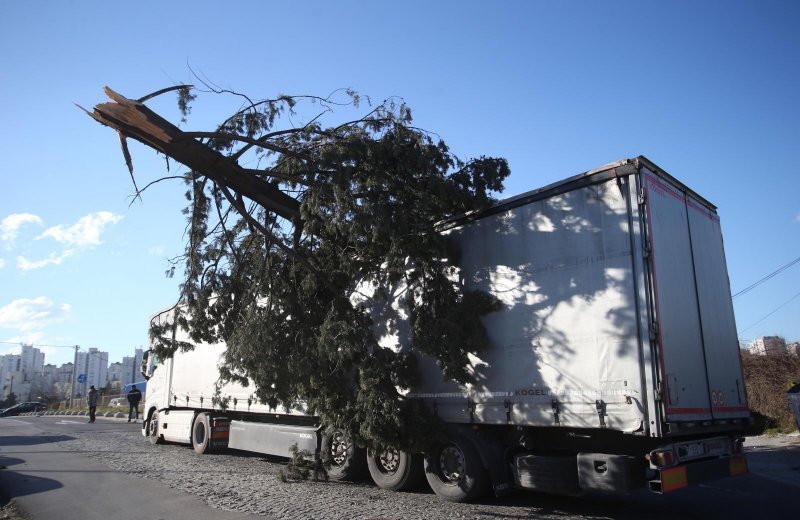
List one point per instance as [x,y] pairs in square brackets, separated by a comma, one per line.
[756,284]
[35,345]
[781,306]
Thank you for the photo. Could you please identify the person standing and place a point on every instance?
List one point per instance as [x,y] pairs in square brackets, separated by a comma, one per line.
[134,396]
[91,398]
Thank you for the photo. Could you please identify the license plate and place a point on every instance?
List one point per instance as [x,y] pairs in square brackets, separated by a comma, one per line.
[694,450]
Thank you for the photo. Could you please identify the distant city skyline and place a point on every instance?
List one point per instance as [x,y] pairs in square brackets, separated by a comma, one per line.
[29,377]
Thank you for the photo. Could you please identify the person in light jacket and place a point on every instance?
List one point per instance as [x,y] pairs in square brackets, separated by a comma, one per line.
[91,398]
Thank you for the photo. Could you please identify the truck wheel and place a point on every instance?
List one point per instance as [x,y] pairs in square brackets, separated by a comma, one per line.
[347,461]
[201,434]
[394,469]
[153,435]
[455,472]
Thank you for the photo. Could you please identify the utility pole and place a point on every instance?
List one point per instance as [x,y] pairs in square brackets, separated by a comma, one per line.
[74,377]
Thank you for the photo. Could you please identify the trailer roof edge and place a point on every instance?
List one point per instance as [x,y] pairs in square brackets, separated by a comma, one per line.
[621,168]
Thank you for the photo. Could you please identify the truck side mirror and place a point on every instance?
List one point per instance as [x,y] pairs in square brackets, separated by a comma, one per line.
[144,369]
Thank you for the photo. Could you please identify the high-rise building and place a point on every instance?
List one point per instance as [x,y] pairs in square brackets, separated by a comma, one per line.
[31,359]
[767,345]
[116,375]
[92,370]
[9,368]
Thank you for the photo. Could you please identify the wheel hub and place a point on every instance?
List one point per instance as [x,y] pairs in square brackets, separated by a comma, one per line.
[339,449]
[451,462]
[389,460]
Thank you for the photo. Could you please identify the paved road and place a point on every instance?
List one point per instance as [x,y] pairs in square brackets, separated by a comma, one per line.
[50,482]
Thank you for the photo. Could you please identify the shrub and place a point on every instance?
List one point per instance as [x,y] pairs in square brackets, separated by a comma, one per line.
[767,378]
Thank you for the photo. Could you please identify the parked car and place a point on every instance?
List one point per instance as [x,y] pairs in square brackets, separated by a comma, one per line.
[23,408]
[118,402]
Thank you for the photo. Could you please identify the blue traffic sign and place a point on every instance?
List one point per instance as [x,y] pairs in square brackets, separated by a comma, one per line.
[81,378]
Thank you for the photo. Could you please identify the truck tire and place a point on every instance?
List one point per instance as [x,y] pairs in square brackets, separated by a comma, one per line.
[201,434]
[346,460]
[153,433]
[395,469]
[455,471]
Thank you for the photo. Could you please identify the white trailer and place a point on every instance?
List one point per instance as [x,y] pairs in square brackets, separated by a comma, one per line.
[614,362]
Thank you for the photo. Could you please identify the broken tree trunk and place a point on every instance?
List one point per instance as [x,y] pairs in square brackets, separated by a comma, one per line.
[133,119]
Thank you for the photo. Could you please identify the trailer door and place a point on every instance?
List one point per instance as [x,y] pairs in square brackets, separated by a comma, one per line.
[723,364]
[678,327]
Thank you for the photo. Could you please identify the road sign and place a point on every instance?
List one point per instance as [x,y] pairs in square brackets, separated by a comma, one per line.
[81,378]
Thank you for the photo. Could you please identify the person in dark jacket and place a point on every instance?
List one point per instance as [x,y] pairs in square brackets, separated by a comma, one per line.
[91,400]
[134,396]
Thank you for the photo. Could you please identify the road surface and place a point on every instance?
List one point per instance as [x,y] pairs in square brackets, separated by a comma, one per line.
[48,482]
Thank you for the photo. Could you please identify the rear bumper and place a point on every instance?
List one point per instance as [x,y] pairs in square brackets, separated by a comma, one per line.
[691,474]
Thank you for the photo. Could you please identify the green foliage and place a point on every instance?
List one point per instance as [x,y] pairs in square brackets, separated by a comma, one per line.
[302,466]
[9,401]
[281,293]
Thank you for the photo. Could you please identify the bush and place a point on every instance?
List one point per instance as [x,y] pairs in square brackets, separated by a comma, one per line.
[767,378]
[302,466]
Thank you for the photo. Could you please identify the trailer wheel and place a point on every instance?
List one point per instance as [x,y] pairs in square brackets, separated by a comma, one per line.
[201,434]
[347,461]
[153,435]
[395,469]
[455,472]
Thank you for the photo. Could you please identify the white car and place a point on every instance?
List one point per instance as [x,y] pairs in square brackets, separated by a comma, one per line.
[118,402]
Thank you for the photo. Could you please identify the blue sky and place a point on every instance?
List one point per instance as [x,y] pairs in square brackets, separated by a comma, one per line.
[707,90]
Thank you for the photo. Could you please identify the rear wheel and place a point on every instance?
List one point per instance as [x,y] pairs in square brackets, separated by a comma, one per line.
[347,461]
[395,469]
[153,434]
[201,434]
[455,472]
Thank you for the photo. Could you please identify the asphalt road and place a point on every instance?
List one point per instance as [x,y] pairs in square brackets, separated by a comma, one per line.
[51,483]
[47,481]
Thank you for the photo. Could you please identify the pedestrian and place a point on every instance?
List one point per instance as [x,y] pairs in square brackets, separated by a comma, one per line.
[91,398]
[134,396]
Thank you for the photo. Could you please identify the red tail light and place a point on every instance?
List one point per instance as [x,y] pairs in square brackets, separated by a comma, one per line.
[662,458]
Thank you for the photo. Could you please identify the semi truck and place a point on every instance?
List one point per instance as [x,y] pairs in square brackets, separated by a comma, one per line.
[614,363]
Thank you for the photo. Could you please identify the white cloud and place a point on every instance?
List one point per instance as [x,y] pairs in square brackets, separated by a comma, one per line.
[29,314]
[9,226]
[85,232]
[29,338]
[2,263]
[156,250]
[54,259]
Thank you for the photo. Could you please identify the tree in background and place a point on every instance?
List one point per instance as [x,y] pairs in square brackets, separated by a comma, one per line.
[288,222]
[10,400]
[767,378]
